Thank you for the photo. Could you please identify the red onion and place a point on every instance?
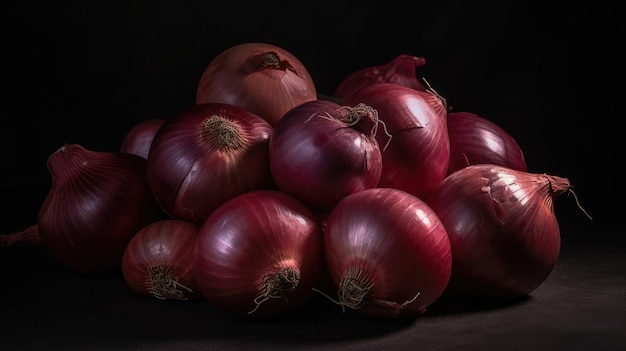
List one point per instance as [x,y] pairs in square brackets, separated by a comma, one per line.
[415,142]
[206,155]
[262,78]
[260,253]
[503,231]
[97,202]
[387,252]
[158,260]
[321,152]
[475,139]
[139,138]
[400,70]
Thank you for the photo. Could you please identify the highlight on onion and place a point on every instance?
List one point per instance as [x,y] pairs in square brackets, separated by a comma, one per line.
[259,254]
[158,261]
[321,151]
[387,253]
[262,78]
[503,231]
[475,139]
[415,141]
[400,70]
[139,138]
[205,155]
[97,202]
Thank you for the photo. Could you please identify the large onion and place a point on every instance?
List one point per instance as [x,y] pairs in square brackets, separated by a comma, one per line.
[415,142]
[259,254]
[262,78]
[321,151]
[387,252]
[206,155]
[97,202]
[503,231]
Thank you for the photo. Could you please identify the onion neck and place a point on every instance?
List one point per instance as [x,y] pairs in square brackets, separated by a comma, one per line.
[28,237]
[269,60]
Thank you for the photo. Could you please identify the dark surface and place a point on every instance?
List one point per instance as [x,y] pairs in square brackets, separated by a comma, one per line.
[44,307]
[550,75]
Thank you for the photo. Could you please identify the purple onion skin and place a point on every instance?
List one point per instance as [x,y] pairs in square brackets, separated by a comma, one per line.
[253,237]
[318,158]
[416,157]
[475,139]
[400,70]
[398,245]
[503,231]
[97,202]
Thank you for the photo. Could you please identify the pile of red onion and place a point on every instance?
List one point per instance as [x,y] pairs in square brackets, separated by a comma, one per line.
[379,198]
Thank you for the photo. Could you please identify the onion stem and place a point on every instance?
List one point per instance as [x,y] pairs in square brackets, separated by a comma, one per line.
[278,285]
[29,236]
[162,283]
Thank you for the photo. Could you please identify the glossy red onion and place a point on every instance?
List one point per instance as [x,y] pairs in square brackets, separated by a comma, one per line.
[97,202]
[503,231]
[415,142]
[139,138]
[475,139]
[205,155]
[259,254]
[400,70]
[321,151]
[259,77]
[158,261]
[387,252]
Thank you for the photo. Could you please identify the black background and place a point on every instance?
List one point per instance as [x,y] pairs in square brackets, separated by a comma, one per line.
[550,74]
[86,72]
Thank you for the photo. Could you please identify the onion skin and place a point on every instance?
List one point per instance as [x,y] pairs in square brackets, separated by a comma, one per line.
[260,77]
[475,140]
[416,157]
[206,155]
[158,261]
[318,157]
[400,70]
[398,245]
[503,231]
[97,202]
[139,138]
[252,238]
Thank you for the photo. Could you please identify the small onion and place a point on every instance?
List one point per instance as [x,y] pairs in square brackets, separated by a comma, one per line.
[321,152]
[97,202]
[475,139]
[158,260]
[400,70]
[259,254]
[206,155]
[503,231]
[262,78]
[139,138]
[387,253]
[415,142]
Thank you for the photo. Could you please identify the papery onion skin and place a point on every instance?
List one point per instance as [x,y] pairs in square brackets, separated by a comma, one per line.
[158,261]
[260,77]
[97,202]
[475,140]
[397,245]
[400,70]
[319,157]
[503,231]
[205,155]
[251,238]
[416,156]
[139,138]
